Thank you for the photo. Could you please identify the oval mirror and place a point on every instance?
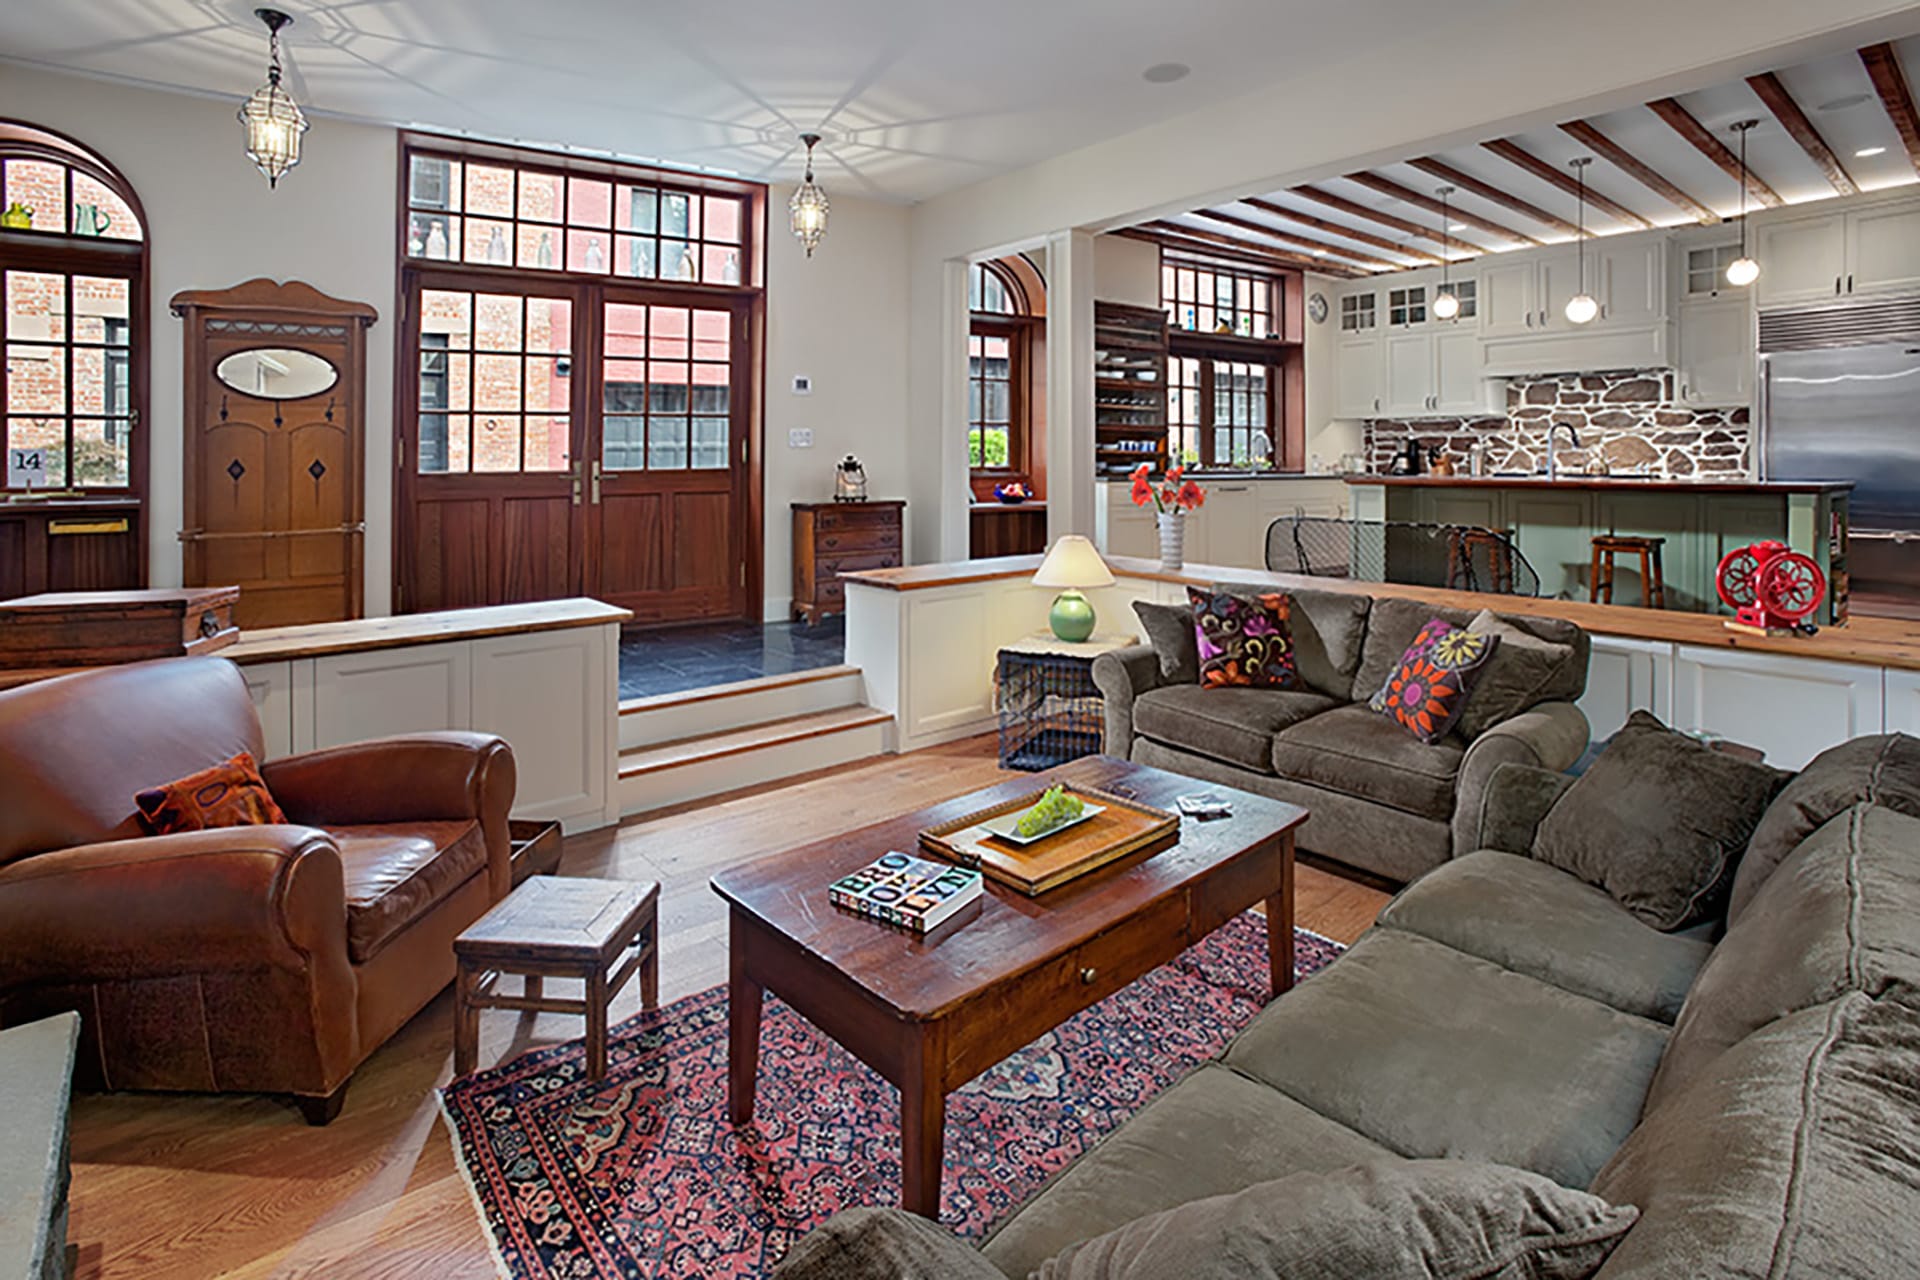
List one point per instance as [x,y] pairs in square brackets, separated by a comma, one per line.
[276,373]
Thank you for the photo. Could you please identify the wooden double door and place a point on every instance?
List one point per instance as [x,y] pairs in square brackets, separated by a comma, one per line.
[580,439]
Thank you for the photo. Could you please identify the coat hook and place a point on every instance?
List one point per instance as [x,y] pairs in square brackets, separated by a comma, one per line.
[223,406]
[330,403]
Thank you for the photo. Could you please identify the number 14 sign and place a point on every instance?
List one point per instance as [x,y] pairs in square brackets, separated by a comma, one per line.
[26,468]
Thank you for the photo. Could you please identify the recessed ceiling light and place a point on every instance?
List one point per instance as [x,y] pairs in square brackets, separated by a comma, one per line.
[1166,72]
[1864,152]
[1841,104]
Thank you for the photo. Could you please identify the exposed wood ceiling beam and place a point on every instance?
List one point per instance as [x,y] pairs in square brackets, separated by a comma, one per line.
[1354,209]
[1681,121]
[1619,157]
[1890,82]
[1767,85]
[1440,169]
[1515,154]
[1387,187]
[1225,247]
[1344,231]
[1304,243]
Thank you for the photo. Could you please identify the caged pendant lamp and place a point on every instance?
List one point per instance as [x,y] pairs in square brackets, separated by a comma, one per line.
[1743,270]
[1446,303]
[271,118]
[808,207]
[1581,307]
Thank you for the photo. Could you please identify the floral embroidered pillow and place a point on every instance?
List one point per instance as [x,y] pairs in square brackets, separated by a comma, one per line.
[1429,688]
[1244,641]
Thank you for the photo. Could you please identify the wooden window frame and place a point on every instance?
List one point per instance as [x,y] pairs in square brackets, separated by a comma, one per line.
[1017,327]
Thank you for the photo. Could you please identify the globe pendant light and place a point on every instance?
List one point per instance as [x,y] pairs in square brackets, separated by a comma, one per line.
[1743,271]
[809,204]
[1446,303]
[1581,308]
[271,118]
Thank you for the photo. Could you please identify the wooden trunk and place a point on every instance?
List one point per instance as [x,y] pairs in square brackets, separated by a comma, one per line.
[99,628]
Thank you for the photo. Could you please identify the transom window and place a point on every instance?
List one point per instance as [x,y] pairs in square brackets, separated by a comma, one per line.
[990,292]
[535,219]
[1216,300]
[1359,313]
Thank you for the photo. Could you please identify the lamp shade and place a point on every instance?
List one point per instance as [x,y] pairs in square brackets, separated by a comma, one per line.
[1073,562]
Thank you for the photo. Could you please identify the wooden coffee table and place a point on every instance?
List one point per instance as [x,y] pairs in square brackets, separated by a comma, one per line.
[930,1014]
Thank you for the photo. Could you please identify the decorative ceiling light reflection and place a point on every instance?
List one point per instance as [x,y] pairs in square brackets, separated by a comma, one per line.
[272,119]
[1743,270]
[1581,307]
[809,204]
[1446,303]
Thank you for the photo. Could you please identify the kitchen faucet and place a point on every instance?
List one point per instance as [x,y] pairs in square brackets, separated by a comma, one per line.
[1573,438]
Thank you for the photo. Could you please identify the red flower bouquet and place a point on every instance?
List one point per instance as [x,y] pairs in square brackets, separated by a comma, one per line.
[1173,493]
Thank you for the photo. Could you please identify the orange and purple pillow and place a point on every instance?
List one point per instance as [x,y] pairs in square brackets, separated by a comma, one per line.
[227,795]
[1429,688]
[1244,641]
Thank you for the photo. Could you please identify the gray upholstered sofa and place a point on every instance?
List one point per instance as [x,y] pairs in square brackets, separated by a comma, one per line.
[36,1086]
[1755,1098]
[1381,800]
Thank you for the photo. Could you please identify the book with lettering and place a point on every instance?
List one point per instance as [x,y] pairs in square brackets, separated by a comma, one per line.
[912,893]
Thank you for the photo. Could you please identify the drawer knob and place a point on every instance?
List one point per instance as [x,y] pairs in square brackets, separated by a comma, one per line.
[1088,974]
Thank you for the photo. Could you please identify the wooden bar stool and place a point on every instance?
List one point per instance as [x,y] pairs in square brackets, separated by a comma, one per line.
[1653,583]
[1462,543]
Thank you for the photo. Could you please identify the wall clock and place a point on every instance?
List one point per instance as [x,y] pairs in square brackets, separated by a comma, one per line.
[1317,308]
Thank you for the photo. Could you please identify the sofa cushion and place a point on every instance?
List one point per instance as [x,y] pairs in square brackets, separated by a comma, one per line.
[1385,1220]
[1329,628]
[1884,769]
[1658,821]
[1435,679]
[1357,752]
[1432,1052]
[1213,1133]
[396,874]
[1231,725]
[1792,1157]
[1243,641]
[1524,671]
[883,1244]
[1528,917]
[231,794]
[1169,629]
[1838,915]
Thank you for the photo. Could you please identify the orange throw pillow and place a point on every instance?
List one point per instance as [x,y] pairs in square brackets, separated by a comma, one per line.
[227,795]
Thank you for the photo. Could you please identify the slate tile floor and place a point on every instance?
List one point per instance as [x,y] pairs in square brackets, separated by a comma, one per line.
[674,659]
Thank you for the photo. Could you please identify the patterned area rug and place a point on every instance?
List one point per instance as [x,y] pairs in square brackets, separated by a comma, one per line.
[642,1175]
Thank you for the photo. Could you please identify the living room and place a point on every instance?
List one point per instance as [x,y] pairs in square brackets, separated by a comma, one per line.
[551,528]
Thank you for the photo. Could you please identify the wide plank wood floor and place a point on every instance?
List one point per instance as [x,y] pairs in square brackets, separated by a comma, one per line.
[181,1187]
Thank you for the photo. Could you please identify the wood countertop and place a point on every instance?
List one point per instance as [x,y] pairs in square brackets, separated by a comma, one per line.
[996,506]
[1654,483]
[1879,642]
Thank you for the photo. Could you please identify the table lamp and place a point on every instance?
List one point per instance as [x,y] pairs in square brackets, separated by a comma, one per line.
[1072,563]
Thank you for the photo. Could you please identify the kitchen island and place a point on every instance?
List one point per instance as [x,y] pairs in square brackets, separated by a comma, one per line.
[1553,523]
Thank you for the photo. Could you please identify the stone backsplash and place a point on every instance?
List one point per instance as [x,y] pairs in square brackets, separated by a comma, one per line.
[1630,418]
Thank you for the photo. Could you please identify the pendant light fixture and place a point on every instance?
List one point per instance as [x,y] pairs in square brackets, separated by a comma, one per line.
[1743,270]
[272,119]
[1581,308]
[809,204]
[1446,303]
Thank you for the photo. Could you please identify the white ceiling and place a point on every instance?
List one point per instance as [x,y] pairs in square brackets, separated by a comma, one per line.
[914,97]
[1834,93]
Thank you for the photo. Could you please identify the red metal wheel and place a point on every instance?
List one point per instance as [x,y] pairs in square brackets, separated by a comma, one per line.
[1735,577]
[1791,585]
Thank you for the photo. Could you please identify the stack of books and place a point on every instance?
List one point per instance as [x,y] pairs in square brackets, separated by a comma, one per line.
[906,891]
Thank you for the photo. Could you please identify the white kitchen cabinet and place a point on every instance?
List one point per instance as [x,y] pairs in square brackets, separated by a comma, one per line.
[1629,277]
[1790,708]
[1409,368]
[1222,532]
[1716,357]
[1459,384]
[384,692]
[1119,527]
[1560,282]
[1883,249]
[1625,675]
[1903,702]
[1436,371]
[1801,260]
[1509,298]
[1359,372]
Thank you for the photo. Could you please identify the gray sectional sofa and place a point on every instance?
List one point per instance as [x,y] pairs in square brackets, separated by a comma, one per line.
[1381,800]
[1757,1098]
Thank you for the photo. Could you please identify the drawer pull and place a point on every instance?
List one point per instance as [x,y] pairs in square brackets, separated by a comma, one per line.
[1088,974]
[57,527]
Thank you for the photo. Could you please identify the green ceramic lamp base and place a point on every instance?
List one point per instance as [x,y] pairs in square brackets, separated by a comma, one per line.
[1072,617]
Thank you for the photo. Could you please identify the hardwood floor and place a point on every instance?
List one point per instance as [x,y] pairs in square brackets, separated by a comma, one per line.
[192,1187]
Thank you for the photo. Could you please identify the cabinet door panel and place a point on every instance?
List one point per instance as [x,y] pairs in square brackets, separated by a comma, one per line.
[1457,368]
[1883,249]
[1805,260]
[1560,281]
[1554,532]
[1508,300]
[1409,373]
[1716,353]
[1358,377]
[1629,280]
[1790,708]
[1625,675]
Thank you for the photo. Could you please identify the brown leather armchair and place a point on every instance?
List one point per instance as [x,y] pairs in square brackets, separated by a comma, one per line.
[269,959]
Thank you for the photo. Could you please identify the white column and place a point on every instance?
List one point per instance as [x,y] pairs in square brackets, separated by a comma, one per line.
[956,494]
[1070,492]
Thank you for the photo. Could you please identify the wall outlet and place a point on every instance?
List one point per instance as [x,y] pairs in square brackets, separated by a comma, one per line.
[802,384]
[800,438]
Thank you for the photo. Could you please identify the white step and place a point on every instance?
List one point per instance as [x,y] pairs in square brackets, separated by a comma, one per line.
[670,717]
[692,768]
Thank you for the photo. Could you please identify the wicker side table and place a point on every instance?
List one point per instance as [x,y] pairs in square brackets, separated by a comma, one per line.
[1050,710]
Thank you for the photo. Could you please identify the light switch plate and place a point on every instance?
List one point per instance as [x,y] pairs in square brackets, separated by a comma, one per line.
[800,438]
[802,384]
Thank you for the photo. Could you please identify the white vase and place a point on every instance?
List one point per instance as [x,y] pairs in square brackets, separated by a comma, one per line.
[1173,540]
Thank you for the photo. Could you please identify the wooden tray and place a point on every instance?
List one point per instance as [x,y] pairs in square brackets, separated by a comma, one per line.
[1123,827]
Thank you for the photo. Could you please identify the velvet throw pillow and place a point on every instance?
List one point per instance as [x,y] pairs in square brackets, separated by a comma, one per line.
[1417,1219]
[1169,629]
[1243,641]
[227,795]
[1519,676]
[1428,690]
[1659,821]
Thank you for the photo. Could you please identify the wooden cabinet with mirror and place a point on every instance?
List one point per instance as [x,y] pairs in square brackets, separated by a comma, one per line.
[275,432]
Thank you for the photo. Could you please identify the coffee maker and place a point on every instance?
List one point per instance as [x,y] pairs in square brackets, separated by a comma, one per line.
[1409,460]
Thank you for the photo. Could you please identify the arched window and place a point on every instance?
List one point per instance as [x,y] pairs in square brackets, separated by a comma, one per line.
[999,375]
[73,257]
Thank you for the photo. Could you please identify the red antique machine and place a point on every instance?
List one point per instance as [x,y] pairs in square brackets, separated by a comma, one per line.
[1772,589]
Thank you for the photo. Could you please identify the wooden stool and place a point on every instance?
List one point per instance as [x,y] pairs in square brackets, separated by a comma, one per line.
[1462,543]
[557,927]
[1653,584]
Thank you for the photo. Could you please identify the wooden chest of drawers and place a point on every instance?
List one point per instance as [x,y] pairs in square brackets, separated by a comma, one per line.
[832,538]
